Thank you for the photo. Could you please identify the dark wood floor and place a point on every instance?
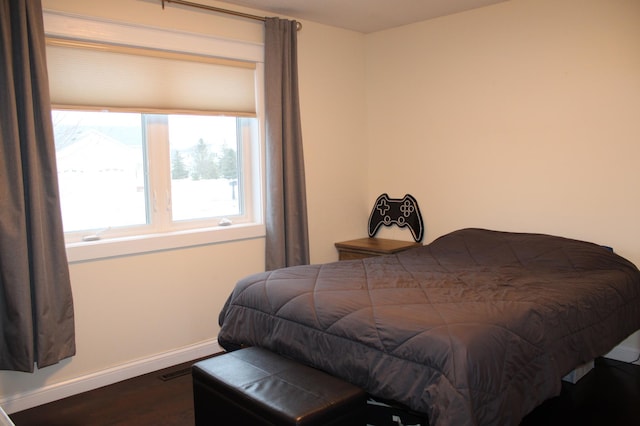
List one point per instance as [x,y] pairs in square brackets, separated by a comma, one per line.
[144,400]
[609,395]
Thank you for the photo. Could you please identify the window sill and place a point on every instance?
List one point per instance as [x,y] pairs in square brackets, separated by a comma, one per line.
[127,246]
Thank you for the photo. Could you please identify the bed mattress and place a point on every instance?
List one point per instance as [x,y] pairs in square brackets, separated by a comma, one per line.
[475,328]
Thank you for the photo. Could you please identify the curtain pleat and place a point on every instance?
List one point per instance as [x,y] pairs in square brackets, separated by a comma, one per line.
[287,240]
[36,306]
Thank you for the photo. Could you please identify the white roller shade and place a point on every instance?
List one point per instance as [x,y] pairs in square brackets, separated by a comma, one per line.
[144,80]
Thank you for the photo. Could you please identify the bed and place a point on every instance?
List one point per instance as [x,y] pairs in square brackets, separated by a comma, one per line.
[476,328]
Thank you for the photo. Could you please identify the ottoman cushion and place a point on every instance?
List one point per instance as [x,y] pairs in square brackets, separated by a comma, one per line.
[256,386]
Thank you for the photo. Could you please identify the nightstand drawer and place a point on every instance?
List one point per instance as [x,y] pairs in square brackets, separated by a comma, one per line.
[369,247]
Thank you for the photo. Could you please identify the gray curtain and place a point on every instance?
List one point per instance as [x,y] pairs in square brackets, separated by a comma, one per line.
[36,309]
[287,240]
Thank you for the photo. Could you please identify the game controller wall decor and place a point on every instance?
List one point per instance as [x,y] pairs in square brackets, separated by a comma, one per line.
[403,212]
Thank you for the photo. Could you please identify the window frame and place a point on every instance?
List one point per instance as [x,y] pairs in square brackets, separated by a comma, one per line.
[89,29]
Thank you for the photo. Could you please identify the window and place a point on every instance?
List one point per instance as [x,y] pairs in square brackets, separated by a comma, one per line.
[101,170]
[206,168]
[132,173]
[156,148]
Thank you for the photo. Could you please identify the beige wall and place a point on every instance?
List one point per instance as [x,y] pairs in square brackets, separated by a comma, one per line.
[138,307]
[332,94]
[520,116]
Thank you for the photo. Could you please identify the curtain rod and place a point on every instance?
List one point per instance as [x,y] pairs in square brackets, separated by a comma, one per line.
[220,10]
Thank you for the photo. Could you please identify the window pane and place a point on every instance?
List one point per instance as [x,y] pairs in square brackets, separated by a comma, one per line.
[101,169]
[205,168]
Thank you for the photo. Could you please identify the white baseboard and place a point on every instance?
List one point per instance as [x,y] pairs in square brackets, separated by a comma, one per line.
[4,419]
[625,354]
[46,394]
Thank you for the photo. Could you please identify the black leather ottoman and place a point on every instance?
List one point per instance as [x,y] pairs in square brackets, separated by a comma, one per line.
[254,386]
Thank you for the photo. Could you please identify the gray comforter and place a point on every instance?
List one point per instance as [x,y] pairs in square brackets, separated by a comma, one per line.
[476,328]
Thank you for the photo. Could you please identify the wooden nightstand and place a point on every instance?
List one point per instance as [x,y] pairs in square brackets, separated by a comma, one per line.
[369,247]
